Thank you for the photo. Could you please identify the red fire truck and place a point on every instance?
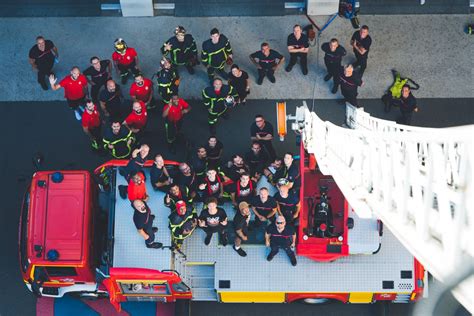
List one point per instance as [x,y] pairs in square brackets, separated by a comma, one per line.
[77,236]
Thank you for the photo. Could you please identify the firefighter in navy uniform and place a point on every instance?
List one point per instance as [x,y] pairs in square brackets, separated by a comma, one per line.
[333,53]
[118,140]
[168,80]
[181,50]
[349,81]
[182,223]
[217,100]
[177,193]
[216,52]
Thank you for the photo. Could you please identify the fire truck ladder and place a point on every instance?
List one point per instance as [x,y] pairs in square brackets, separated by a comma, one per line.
[418,181]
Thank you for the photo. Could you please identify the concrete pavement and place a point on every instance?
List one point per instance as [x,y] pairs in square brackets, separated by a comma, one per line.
[431,49]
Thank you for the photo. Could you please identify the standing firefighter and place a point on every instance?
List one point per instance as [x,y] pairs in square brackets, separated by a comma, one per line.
[125,59]
[168,80]
[173,113]
[181,49]
[217,99]
[182,223]
[118,140]
[216,52]
[333,53]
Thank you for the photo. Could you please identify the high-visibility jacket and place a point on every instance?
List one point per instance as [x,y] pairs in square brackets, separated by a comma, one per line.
[215,103]
[168,81]
[122,148]
[181,53]
[215,55]
[184,196]
[178,224]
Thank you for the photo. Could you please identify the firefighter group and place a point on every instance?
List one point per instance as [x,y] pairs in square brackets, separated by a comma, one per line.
[117,127]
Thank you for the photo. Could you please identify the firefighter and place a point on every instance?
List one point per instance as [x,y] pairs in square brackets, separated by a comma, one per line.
[159,175]
[42,57]
[333,53]
[349,81]
[216,52]
[143,220]
[242,190]
[177,193]
[75,90]
[118,139]
[262,132]
[280,235]
[199,162]
[137,119]
[213,219]
[361,42]
[298,47]
[181,50]
[142,90]
[264,207]
[168,80]
[173,113]
[212,186]
[291,172]
[257,159]
[288,203]
[217,99]
[136,189]
[267,61]
[91,125]
[111,101]
[125,59]
[99,72]
[407,104]
[182,223]
[241,227]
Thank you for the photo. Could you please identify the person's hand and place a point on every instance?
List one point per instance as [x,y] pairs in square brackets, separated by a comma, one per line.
[52,80]
[136,151]
[295,215]
[415,109]
[110,146]
[224,222]
[168,46]
[168,200]
[244,238]
[257,136]
[35,68]
[202,223]
[202,186]
[247,89]
[262,218]
[292,245]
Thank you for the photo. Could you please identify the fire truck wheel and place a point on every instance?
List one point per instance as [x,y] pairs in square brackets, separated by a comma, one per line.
[315,301]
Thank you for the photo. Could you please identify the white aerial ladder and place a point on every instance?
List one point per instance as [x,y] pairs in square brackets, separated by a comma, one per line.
[418,181]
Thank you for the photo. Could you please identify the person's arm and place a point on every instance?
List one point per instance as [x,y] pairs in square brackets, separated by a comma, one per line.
[224,222]
[247,82]
[143,234]
[293,242]
[116,63]
[254,61]
[267,239]
[297,212]
[86,130]
[166,110]
[205,56]
[266,137]
[104,108]
[186,107]
[109,68]
[280,62]
[53,81]
[232,197]
[56,52]
[85,89]
[33,63]
[136,61]
[279,210]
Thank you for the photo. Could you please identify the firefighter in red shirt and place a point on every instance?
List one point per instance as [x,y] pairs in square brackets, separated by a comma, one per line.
[137,188]
[142,90]
[75,90]
[91,125]
[125,59]
[136,120]
[173,114]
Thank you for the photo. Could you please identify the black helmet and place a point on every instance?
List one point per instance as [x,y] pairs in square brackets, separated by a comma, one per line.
[120,45]
[179,30]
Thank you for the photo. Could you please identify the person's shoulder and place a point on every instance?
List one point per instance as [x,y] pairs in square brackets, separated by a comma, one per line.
[33,50]
[88,71]
[222,210]
[270,228]
[223,38]
[256,54]
[290,230]
[131,50]
[245,74]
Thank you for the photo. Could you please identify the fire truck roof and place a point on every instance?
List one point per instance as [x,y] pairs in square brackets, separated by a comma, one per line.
[60,216]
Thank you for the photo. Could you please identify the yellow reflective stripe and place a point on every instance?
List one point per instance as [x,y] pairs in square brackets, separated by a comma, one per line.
[361,297]
[252,297]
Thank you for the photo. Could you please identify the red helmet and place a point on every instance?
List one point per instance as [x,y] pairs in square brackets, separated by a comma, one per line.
[181,208]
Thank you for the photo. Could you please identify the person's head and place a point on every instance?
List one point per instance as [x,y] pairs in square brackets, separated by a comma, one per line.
[165,63]
[211,174]
[237,160]
[259,120]
[144,150]
[212,141]
[265,47]
[175,99]
[137,177]
[181,208]
[137,107]
[211,203]
[139,79]
[277,162]
[405,91]
[283,188]
[139,205]
[201,152]
[288,159]
[159,161]
[364,31]
[297,30]
[95,62]
[215,36]
[235,70]
[111,85]
[244,209]
[174,189]
[348,70]
[75,72]
[256,147]
[184,168]
[41,42]
[333,44]
[280,222]
[116,127]
[120,45]
[89,106]
[244,179]
[180,32]
[217,84]
[264,193]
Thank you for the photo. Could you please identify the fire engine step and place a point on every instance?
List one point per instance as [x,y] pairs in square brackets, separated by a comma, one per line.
[200,278]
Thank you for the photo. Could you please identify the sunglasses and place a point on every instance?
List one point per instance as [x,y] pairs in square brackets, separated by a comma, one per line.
[280,223]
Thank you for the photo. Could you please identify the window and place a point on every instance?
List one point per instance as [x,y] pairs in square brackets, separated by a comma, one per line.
[24,232]
[61,271]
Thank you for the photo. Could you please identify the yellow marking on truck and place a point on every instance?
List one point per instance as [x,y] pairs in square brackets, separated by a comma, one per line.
[252,297]
[360,297]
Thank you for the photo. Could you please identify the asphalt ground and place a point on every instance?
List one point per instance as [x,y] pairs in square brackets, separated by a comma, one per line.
[50,128]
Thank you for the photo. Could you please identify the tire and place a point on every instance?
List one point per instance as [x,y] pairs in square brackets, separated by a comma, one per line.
[315,301]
